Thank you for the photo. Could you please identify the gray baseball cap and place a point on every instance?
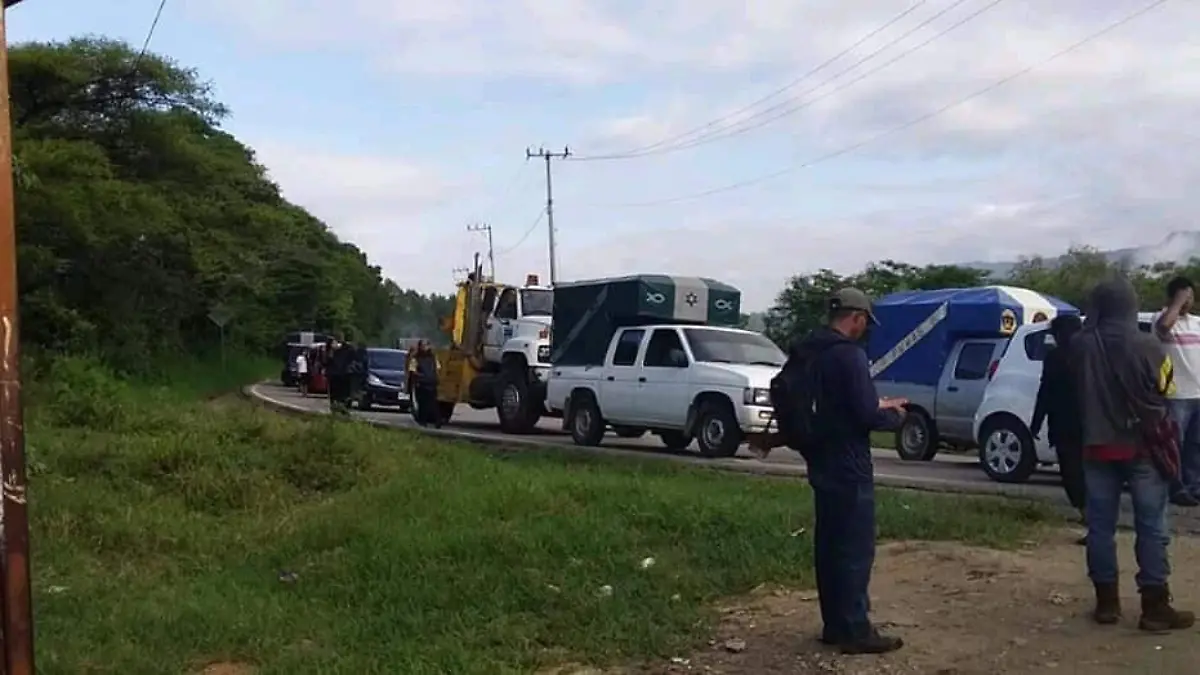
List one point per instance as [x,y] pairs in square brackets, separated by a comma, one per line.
[852,298]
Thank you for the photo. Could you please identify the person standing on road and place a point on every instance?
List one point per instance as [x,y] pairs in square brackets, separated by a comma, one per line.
[845,410]
[302,372]
[1179,331]
[338,374]
[425,377]
[1058,406]
[1119,379]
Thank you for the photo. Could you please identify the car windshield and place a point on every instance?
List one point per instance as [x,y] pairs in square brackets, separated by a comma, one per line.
[537,301]
[723,346]
[387,359]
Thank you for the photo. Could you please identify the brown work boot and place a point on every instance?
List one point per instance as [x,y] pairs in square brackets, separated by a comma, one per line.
[1108,604]
[1157,613]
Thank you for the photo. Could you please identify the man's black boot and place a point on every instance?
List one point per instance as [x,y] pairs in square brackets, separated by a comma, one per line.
[875,643]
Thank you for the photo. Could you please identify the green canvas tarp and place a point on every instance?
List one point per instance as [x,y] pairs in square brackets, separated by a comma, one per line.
[586,313]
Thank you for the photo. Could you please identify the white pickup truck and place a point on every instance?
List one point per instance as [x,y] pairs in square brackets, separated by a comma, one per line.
[677,381]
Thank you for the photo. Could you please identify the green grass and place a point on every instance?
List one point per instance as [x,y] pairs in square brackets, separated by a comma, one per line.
[161,532]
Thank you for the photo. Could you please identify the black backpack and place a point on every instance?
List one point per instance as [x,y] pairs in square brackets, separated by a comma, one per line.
[794,397]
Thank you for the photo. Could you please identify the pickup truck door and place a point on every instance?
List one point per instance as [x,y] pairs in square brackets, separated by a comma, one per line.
[663,392]
[619,384]
[962,385]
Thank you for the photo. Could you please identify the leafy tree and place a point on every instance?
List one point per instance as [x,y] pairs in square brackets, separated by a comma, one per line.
[138,216]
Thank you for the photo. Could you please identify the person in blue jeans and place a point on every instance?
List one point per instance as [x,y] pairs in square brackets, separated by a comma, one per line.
[1118,374]
[1179,331]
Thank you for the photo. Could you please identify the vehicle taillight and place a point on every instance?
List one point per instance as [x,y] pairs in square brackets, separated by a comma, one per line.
[992,369]
[544,334]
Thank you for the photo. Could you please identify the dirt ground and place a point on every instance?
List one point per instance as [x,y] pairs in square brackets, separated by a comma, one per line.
[963,611]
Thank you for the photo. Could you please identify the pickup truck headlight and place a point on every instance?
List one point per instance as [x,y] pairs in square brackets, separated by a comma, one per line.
[543,354]
[373,380]
[756,396]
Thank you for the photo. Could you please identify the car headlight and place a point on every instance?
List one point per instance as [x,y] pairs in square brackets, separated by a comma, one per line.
[373,380]
[543,354]
[756,396]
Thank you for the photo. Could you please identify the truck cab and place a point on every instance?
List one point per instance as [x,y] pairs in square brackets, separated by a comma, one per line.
[518,323]
[680,382]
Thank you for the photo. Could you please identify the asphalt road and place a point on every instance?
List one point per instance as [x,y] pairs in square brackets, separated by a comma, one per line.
[947,473]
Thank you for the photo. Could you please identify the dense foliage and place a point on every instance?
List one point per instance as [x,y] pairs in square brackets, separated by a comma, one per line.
[800,306]
[141,223]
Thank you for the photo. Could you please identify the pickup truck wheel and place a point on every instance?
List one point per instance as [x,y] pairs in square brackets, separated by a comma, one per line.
[718,432]
[585,423]
[1006,450]
[629,432]
[517,413]
[916,439]
[675,440]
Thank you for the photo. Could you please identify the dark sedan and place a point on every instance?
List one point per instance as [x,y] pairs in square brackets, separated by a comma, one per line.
[385,379]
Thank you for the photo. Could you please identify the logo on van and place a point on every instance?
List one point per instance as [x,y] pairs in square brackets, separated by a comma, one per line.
[1008,322]
[656,298]
[723,305]
[1040,317]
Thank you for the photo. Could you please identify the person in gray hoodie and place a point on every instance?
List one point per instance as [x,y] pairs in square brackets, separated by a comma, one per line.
[1117,371]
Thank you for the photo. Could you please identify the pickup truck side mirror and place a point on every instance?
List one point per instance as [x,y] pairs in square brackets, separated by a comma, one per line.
[677,359]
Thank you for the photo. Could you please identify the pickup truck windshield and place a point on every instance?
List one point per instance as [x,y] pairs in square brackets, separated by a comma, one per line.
[537,301]
[721,346]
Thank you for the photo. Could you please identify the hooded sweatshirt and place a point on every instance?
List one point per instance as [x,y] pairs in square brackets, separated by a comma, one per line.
[847,408]
[1116,369]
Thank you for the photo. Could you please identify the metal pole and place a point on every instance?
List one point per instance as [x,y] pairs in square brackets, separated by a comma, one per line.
[17,604]
[547,156]
[485,227]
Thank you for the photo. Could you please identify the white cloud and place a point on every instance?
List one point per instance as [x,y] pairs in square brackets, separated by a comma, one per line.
[1094,147]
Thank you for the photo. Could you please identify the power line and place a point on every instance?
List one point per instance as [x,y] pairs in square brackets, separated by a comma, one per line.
[1145,9]
[532,226]
[774,94]
[794,105]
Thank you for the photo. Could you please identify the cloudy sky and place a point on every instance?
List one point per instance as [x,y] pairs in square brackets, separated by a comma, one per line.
[944,135]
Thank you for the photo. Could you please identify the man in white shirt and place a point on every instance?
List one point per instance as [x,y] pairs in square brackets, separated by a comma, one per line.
[302,372]
[1179,331]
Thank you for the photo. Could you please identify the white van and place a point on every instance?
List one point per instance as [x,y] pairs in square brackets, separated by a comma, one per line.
[1007,451]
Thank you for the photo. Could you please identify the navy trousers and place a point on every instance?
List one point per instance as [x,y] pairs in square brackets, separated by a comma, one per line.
[844,553]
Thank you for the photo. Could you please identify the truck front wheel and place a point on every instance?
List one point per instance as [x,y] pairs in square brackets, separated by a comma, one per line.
[585,421]
[517,412]
[717,431]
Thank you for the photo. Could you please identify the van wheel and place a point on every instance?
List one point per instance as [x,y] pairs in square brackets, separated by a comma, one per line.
[585,423]
[717,431]
[629,432]
[675,440]
[916,439]
[1006,450]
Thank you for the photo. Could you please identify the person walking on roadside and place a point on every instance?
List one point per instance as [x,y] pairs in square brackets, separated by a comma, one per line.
[338,373]
[1058,406]
[1179,331]
[425,378]
[1128,438]
[302,377]
[831,366]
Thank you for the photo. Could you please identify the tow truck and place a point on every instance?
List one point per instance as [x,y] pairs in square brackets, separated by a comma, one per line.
[499,353]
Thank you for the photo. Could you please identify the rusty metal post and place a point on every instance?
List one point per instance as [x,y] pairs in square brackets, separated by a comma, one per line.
[17,605]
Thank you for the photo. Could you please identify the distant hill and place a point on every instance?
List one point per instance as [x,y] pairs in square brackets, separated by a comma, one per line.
[1177,247]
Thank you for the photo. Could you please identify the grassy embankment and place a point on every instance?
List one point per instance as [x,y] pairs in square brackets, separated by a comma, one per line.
[173,529]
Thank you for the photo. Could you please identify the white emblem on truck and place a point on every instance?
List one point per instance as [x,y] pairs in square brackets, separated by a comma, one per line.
[656,298]
[723,305]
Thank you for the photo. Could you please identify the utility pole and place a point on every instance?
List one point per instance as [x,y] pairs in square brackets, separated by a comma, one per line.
[15,601]
[542,153]
[484,227]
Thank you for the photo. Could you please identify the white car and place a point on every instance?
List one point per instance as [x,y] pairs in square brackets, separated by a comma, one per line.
[1008,452]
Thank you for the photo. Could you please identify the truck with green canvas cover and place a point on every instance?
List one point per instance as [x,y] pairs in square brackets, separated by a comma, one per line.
[587,313]
[661,355]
